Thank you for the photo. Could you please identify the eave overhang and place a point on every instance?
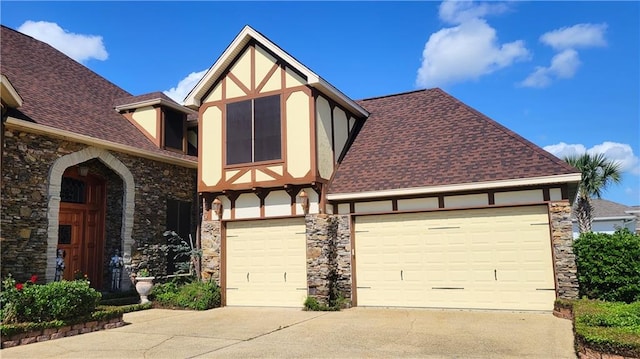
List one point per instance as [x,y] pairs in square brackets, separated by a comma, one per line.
[9,94]
[474,186]
[152,102]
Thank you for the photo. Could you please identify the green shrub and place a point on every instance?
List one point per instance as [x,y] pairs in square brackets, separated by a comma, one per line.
[28,302]
[612,328]
[195,295]
[609,265]
[312,304]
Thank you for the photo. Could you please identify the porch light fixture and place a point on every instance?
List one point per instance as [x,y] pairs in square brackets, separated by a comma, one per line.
[304,201]
[217,208]
[83,171]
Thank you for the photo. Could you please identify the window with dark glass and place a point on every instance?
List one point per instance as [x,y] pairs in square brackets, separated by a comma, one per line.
[173,129]
[179,221]
[72,190]
[253,130]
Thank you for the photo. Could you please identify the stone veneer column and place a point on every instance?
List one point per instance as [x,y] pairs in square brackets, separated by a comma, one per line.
[328,257]
[564,258]
[210,238]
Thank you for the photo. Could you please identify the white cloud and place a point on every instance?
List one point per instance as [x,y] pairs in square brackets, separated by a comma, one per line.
[576,36]
[565,63]
[457,12]
[185,85]
[563,66]
[465,52]
[619,152]
[77,46]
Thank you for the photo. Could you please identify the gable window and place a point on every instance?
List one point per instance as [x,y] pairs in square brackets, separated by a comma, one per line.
[253,130]
[173,129]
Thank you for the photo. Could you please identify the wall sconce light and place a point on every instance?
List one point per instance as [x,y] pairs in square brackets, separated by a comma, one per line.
[83,171]
[304,201]
[217,208]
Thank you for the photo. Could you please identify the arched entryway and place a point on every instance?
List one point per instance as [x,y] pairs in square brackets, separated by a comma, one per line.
[61,214]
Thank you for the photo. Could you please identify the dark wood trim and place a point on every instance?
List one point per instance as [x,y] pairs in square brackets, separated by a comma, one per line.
[239,83]
[352,207]
[267,77]
[546,195]
[449,209]
[252,75]
[441,201]
[492,197]
[564,190]
[394,205]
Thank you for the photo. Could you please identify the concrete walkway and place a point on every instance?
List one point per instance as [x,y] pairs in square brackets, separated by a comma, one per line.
[292,333]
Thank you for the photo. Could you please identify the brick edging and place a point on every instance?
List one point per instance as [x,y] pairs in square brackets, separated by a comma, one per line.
[42,335]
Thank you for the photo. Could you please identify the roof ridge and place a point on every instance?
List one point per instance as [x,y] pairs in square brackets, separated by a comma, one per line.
[511,133]
[398,94]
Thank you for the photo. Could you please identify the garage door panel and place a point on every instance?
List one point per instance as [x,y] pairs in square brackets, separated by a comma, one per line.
[266,263]
[488,258]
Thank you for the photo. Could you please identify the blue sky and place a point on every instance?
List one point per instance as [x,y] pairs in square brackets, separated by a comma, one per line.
[564,75]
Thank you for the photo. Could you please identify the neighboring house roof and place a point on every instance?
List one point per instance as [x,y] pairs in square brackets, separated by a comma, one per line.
[62,94]
[234,49]
[429,139]
[608,210]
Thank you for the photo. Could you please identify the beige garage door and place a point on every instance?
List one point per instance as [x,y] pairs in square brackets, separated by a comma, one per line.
[483,258]
[266,263]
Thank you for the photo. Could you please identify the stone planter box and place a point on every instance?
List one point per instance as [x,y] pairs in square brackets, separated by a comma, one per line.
[42,335]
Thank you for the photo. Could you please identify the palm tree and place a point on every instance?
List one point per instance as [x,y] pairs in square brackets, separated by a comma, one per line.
[598,173]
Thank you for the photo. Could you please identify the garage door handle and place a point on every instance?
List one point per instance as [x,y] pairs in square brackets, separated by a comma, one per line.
[495,274]
[401,275]
[285,277]
[247,276]
[546,289]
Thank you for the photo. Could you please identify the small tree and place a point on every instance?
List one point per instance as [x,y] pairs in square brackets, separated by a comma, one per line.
[598,173]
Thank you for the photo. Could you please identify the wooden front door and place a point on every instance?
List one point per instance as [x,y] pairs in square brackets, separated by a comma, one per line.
[81,226]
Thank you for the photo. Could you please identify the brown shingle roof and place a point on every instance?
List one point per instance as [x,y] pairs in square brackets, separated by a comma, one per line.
[428,138]
[62,93]
[130,100]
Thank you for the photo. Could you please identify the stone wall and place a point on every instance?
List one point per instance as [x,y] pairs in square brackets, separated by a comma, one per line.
[328,257]
[210,238]
[564,258]
[27,160]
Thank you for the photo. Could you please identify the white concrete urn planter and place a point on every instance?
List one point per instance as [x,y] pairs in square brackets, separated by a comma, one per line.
[143,287]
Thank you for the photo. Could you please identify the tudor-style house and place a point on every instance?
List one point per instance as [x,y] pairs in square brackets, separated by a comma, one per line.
[410,200]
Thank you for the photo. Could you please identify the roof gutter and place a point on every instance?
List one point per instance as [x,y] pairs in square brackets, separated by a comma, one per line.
[76,137]
[573,177]
[152,102]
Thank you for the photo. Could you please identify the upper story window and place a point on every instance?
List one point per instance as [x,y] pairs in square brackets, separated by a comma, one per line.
[254,130]
[174,131]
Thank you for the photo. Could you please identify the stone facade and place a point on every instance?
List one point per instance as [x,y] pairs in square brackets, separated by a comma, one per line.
[328,257]
[562,243]
[27,161]
[210,237]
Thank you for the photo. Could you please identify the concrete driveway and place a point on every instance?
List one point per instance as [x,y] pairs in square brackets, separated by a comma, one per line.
[292,333]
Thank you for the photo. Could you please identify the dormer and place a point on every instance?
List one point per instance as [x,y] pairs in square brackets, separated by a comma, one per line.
[167,124]
[268,121]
